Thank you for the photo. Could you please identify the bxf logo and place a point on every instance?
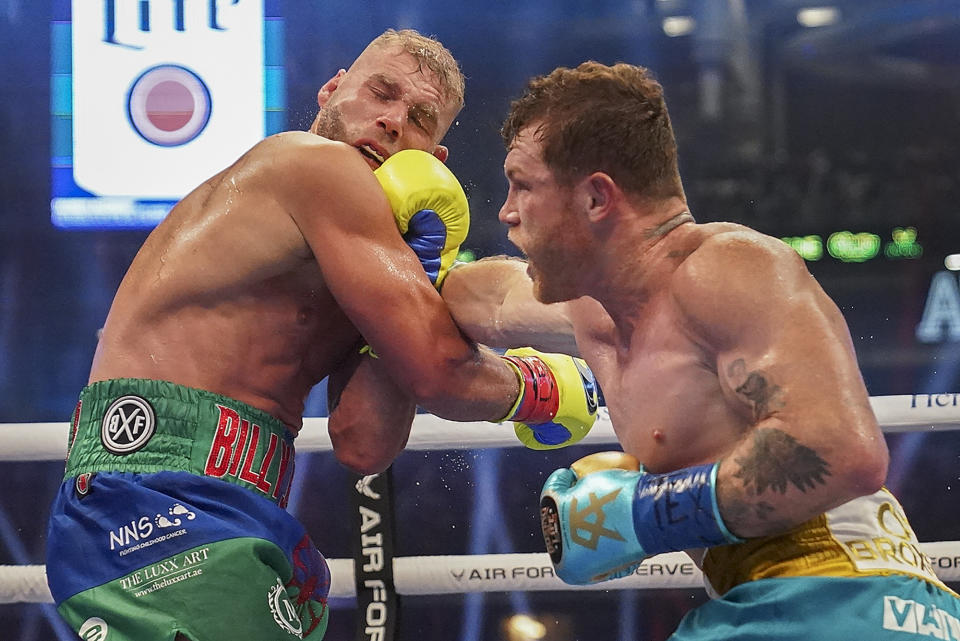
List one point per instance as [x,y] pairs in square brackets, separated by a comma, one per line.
[127,425]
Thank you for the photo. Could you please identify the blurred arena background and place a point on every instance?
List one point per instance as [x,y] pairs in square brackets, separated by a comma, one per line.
[832,125]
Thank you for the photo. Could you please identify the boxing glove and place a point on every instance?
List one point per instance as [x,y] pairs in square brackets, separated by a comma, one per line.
[601,518]
[429,206]
[558,400]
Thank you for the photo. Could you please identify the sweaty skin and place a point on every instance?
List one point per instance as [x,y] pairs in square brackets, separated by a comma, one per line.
[710,341]
[226,295]
[261,281]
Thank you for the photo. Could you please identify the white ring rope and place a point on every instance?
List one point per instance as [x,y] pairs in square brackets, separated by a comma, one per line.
[492,572]
[904,413]
[422,575]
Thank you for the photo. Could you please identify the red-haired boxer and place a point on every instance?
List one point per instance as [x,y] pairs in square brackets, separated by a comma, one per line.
[728,373]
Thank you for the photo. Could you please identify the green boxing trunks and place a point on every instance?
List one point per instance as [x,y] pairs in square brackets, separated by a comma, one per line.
[170,521]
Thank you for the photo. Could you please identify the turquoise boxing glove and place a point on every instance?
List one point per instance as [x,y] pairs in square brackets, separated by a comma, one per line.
[600,523]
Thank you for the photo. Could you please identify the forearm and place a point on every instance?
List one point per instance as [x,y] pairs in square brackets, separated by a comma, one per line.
[370,417]
[698,506]
[774,480]
[477,385]
[492,301]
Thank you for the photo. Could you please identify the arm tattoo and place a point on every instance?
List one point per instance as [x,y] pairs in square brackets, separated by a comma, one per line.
[777,460]
[762,394]
[737,509]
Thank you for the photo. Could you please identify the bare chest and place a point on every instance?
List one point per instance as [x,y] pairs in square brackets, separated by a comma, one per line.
[298,320]
[665,399]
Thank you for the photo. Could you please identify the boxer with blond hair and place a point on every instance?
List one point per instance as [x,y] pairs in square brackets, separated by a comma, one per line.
[264,280]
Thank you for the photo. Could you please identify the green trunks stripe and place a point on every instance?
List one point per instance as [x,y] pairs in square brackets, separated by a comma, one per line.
[144,426]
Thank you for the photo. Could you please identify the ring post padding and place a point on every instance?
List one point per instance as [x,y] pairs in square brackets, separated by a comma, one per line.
[371,498]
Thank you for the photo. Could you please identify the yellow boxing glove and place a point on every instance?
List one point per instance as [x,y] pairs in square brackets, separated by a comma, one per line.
[430,208]
[558,399]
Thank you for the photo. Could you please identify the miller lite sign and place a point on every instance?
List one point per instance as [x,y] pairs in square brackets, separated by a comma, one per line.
[164,94]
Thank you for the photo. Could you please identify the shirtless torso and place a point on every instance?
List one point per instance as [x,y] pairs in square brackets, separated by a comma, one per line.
[729,375]
[721,345]
[676,395]
[260,283]
[226,295]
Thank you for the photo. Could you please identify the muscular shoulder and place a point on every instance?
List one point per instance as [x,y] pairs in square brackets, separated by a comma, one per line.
[310,174]
[728,250]
[734,274]
[298,155]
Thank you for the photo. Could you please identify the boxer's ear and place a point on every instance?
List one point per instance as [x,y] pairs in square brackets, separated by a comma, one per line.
[329,87]
[601,195]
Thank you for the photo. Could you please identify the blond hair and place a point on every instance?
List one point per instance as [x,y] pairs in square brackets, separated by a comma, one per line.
[431,53]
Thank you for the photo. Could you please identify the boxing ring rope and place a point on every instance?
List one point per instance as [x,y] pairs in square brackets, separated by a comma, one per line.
[902,413]
[460,574]
[422,575]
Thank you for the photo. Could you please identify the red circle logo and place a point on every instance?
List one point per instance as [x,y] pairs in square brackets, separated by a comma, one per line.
[168,105]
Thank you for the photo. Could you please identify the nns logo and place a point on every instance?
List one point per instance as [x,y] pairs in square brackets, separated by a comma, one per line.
[131,532]
[144,527]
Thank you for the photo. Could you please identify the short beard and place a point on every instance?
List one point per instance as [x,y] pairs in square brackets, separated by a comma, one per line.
[330,124]
[557,286]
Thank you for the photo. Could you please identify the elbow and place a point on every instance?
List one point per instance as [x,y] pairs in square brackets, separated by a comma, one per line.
[435,396]
[359,459]
[425,386]
[356,451]
[361,463]
[867,463]
[873,473]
